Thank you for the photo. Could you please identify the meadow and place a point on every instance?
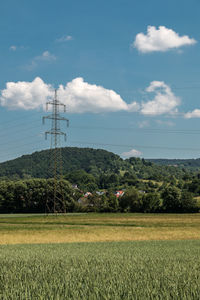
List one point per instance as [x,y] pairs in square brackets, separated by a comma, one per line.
[100,256]
[91,227]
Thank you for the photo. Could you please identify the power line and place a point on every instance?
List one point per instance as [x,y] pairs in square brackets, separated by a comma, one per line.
[133,130]
[19,118]
[134,145]
[103,145]
[108,144]
[148,130]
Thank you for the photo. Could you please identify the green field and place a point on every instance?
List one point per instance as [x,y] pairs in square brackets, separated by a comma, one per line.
[112,270]
[100,256]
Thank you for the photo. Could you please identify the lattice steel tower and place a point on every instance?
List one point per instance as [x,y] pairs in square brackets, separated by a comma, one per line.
[56,203]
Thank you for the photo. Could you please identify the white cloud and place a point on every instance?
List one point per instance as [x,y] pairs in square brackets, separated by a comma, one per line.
[131,153]
[13,48]
[25,95]
[161,39]
[164,101]
[193,114]
[64,38]
[82,97]
[46,56]
[79,96]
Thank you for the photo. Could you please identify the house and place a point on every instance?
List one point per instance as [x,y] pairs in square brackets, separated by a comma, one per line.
[119,193]
[87,194]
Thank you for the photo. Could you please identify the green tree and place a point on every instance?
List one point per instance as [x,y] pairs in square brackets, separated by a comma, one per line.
[131,201]
[85,181]
[171,199]
[151,202]
[112,201]
[188,203]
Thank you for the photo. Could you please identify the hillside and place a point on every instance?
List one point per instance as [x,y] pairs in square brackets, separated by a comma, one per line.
[38,164]
[192,164]
[92,161]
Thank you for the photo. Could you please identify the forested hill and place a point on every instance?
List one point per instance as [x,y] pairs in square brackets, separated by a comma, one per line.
[38,164]
[92,161]
[193,164]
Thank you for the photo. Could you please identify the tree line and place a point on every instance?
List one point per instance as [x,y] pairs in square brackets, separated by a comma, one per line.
[30,196]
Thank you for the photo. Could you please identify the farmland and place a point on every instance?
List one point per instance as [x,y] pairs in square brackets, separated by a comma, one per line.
[112,270]
[25,229]
[100,256]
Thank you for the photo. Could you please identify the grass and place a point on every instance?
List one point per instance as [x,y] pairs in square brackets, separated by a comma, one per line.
[100,256]
[115,270]
[31,229]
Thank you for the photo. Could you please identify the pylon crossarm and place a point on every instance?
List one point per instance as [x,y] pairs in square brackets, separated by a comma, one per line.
[52,117]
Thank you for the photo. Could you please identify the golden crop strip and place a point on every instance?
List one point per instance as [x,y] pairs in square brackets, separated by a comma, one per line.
[98,228]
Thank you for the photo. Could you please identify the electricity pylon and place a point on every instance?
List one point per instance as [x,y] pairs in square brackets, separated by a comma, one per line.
[56,203]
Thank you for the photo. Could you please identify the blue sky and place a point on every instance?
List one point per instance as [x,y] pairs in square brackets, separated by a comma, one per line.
[128,72]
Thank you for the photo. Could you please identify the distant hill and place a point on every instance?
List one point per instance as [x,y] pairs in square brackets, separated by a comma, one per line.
[93,161]
[38,164]
[192,164]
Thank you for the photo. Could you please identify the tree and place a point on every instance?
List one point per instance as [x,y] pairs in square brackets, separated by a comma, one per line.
[112,201]
[30,195]
[93,203]
[194,186]
[131,201]
[171,199]
[82,179]
[151,202]
[188,203]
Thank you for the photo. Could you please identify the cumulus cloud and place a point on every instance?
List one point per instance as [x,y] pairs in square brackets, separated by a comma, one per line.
[193,114]
[25,95]
[164,101]
[81,97]
[78,95]
[64,38]
[131,153]
[161,39]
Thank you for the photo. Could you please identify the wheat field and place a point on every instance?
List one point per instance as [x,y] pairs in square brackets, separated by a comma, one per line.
[70,228]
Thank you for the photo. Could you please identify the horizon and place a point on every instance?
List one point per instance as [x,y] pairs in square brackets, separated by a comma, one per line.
[49,149]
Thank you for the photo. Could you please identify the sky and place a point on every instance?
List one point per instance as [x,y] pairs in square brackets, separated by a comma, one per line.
[128,72]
